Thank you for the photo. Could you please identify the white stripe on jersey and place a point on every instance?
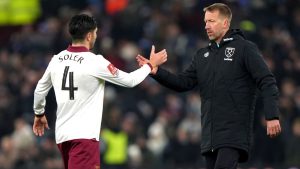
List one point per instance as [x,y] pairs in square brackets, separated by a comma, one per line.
[78,79]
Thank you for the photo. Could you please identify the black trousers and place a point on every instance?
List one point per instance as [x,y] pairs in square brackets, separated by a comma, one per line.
[223,158]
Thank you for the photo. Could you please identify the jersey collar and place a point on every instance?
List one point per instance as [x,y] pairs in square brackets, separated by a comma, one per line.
[77,49]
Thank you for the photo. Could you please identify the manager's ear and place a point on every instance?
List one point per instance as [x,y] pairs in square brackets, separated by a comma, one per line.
[226,23]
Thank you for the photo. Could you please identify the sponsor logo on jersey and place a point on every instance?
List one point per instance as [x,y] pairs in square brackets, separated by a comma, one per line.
[113,70]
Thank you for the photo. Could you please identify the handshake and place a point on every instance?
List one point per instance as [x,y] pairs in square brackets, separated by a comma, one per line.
[155,60]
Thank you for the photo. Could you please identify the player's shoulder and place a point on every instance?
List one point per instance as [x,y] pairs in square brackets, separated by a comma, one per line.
[95,57]
[61,53]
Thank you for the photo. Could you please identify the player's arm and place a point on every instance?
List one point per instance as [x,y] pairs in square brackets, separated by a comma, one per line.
[41,91]
[119,77]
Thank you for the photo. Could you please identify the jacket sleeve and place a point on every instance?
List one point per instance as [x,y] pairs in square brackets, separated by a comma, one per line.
[184,81]
[264,79]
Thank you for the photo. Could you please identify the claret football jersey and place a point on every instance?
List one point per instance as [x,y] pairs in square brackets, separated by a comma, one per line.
[78,78]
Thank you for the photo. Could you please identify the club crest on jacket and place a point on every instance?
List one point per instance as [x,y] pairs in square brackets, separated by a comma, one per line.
[229,51]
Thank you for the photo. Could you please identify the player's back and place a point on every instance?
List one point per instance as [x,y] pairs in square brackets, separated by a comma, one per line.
[71,71]
[79,94]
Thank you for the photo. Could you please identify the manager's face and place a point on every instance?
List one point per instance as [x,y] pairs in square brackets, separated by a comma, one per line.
[216,25]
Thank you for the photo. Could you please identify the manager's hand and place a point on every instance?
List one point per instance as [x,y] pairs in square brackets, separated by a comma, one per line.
[156,59]
[273,128]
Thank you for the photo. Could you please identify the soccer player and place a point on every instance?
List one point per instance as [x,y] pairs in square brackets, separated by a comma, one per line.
[78,77]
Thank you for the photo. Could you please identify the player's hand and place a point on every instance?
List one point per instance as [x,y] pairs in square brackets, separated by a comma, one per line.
[39,125]
[142,60]
[273,128]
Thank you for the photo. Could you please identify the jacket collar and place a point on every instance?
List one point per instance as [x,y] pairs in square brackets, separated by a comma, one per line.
[77,49]
[230,35]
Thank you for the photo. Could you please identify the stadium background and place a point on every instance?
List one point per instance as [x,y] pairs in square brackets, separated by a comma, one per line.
[148,126]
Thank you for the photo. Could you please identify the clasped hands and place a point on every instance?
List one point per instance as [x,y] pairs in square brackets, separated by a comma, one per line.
[155,60]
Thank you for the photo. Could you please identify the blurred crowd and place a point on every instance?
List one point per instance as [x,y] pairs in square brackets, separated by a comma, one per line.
[148,126]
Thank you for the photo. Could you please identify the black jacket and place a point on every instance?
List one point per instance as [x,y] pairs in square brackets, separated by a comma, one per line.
[227,76]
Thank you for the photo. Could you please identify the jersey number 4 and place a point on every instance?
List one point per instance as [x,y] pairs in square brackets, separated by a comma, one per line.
[71,87]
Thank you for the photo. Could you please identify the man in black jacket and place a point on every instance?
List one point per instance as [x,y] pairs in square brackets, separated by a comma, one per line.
[228,71]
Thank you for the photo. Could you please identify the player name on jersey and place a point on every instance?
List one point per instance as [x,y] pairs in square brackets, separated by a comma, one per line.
[75,58]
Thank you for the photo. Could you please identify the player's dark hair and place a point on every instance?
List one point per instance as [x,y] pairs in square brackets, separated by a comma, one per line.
[80,25]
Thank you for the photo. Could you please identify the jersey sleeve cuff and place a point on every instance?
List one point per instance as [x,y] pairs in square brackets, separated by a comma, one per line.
[39,115]
[151,67]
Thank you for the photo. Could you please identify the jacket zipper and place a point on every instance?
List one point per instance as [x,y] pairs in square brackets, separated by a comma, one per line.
[212,100]
[211,108]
